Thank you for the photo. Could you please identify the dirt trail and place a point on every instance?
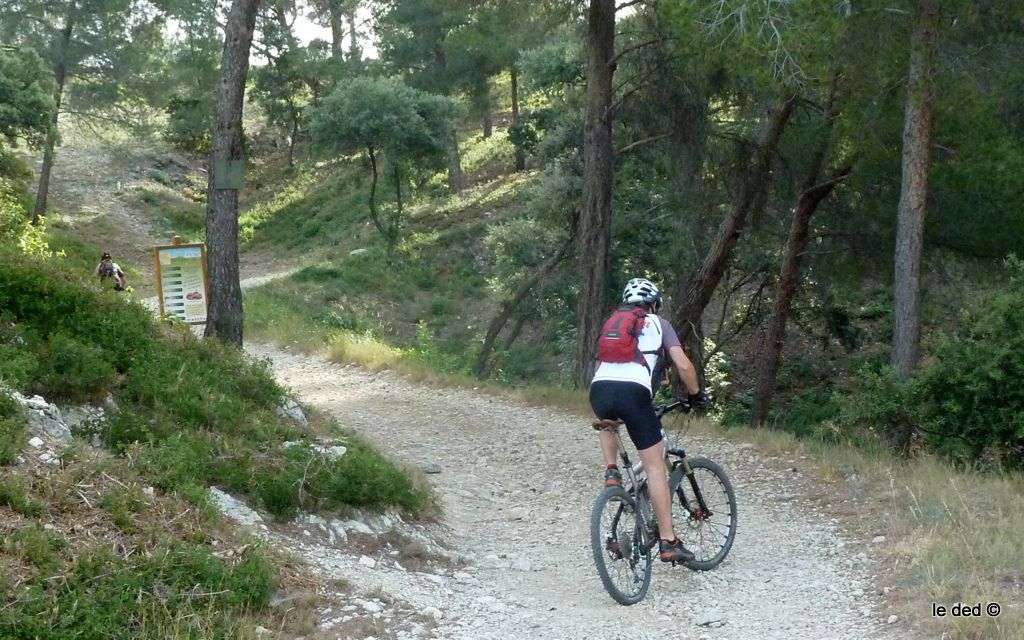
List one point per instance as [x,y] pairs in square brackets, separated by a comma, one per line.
[517,484]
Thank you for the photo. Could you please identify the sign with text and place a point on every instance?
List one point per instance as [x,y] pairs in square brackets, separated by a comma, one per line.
[181,281]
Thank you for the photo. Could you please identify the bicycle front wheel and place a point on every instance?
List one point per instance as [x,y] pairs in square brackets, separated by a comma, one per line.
[707,525]
[621,554]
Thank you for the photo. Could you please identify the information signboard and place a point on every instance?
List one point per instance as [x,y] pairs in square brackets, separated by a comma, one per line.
[181,281]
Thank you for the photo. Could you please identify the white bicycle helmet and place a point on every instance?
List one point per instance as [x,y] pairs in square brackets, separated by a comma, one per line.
[640,291]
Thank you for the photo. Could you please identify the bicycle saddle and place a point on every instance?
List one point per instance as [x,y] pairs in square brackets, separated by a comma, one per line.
[606,425]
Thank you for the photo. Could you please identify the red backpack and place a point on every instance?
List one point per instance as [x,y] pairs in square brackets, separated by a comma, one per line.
[620,336]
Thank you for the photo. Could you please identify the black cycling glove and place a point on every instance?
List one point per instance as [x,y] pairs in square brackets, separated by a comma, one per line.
[698,401]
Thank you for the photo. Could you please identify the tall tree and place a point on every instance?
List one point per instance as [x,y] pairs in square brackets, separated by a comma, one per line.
[811,196]
[596,218]
[696,293]
[227,173]
[392,122]
[917,131]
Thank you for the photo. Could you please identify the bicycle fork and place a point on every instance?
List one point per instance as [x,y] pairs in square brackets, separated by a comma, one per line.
[682,468]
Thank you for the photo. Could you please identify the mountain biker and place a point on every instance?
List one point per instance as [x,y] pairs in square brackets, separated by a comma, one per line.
[623,391]
[107,268]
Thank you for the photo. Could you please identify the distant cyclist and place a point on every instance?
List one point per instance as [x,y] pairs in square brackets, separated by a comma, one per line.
[628,350]
[107,268]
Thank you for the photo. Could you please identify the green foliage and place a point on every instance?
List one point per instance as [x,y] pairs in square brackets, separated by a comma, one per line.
[35,546]
[388,116]
[26,97]
[12,426]
[14,495]
[188,123]
[198,412]
[180,591]
[964,400]
[15,229]
[71,369]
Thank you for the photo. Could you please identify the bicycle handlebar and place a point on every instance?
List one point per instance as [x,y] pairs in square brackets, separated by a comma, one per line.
[662,409]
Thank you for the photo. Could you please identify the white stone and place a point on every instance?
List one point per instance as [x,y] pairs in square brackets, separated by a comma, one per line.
[36,442]
[236,510]
[433,612]
[367,561]
[291,410]
[339,530]
[522,564]
[358,527]
[371,606]
[878,539]
[519,513]
[708,617]
[892,619]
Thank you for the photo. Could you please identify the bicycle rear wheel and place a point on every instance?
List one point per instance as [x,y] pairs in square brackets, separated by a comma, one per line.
[708,532]
[620,552]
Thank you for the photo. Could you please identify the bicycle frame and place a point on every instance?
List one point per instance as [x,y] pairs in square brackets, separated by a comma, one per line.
[675,459]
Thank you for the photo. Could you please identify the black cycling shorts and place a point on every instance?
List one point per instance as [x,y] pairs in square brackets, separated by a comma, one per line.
[631,403]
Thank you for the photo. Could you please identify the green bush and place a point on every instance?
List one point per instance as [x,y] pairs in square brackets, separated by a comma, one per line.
[12,428]
[966,400]
[178,591]
[968,393]
[13,494]
[72,370]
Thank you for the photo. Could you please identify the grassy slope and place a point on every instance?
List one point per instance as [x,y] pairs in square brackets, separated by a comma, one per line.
[123,539]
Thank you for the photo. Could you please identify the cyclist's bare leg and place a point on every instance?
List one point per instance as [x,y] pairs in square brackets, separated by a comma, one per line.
[609,447]
[653,459]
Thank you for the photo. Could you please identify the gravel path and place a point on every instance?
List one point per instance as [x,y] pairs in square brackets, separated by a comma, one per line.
[517,484]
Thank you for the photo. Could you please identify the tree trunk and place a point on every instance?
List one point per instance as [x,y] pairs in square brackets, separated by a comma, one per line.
[227,172]
[485,105]
[372,198]
[294,136]
[510,305]
[281,15]
[595,222]
[785,289]
[337,31]
[398,195]
[354,53]
[60,73]
[520,154]
[917,129]
[696,294]
[789,275]
[454,163]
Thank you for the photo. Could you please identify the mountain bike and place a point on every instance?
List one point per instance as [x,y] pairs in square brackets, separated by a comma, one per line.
[624,531]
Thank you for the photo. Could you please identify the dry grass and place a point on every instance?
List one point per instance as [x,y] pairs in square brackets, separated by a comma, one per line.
[951,535]
[94,500]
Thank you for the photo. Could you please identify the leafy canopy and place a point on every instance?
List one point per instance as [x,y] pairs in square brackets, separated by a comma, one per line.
[26,97]
[384,114]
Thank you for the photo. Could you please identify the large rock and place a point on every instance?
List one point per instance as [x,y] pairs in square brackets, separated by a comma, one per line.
[44,418]
[291,410]
[236,510]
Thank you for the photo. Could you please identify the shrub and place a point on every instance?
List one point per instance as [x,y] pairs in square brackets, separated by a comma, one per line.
[179,591]
[966,399]
[12,428]
[73,370]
